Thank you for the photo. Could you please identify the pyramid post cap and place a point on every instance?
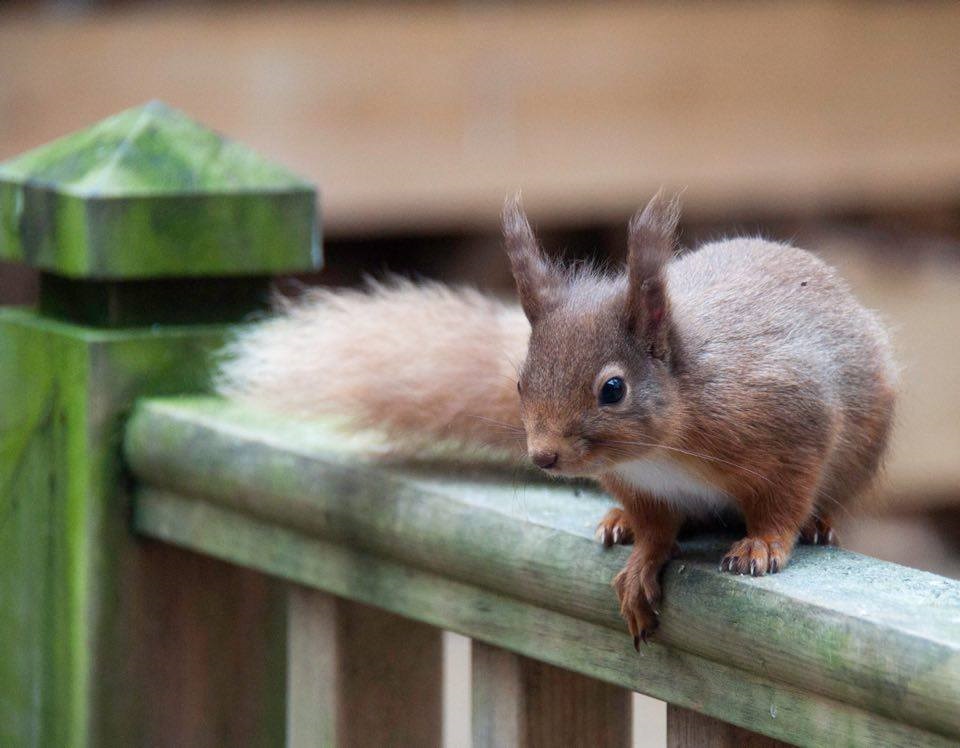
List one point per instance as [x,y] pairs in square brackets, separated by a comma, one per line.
[149,192]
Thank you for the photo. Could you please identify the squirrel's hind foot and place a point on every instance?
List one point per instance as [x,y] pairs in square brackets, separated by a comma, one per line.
[819,531]
[614,529]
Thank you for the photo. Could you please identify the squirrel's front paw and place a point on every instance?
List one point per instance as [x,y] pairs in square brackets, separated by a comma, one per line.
[756,557]
[638,587]
[614,528]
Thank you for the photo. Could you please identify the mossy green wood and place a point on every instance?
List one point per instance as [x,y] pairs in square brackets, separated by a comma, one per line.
[150,193]
[856,643]
[601,651]
[92,621]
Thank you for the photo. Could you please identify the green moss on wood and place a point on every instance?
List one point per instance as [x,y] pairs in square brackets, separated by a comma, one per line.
[81,599]
[149,193]
[878,636]
[742,697]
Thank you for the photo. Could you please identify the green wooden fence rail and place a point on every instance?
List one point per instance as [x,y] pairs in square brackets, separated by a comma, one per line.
[840,649]
[300,583]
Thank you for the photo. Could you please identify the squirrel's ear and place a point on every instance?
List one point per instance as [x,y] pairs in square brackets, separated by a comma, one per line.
[651,240]
[538,279]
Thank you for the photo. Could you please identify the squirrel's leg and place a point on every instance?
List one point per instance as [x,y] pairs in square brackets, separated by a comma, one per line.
[615,528]
[774,519]
[655,526]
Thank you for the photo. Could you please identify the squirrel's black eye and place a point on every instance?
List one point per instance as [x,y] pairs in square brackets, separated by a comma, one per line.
[612,391]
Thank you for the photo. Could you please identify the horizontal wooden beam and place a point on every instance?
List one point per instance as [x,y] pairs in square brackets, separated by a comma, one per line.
[428,116]
[838,645]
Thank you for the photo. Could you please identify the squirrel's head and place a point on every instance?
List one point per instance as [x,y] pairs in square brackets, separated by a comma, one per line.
[597,387]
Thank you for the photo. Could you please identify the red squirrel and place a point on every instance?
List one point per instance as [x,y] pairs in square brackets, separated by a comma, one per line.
[741,374]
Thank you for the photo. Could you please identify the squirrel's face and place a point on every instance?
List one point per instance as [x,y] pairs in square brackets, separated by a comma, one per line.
[597,387]
[592,393]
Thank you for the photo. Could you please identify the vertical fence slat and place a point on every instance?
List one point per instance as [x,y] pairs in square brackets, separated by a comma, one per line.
[358,676]
[312,668]
[522,702]
[689,729]
[497,696]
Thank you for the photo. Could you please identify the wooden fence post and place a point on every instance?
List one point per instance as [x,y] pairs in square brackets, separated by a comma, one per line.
[150,232]
[518,701]
[358,676]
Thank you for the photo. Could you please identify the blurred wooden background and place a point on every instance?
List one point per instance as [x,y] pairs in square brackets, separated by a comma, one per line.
[831,123]
[834,124]
[420,117]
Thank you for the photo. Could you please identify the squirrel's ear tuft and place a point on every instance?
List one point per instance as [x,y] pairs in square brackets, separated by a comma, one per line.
[537,278]
[651,240]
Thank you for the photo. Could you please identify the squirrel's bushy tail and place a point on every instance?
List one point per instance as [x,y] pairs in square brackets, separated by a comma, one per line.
[418,361]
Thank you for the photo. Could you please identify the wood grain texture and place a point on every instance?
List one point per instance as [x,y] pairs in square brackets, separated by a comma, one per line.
[497,696]
[519,701]
[667,673]
[688,729]
[836,627]
[428,116]
[107,639]
[358,676]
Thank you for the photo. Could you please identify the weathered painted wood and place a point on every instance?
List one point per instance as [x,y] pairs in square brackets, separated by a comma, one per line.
[359,676]
[149,302]
[689,729]
[150,193]
[111,640]
[837,624]
[312,665]
[496,692]
[519,701]
[599,651]
[107,639]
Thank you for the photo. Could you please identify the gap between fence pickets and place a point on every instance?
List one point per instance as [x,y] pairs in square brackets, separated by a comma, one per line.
[348,685]
[360,676]
[312,665]
[518,700]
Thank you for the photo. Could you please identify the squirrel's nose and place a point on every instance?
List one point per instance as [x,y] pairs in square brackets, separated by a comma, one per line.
[545,460]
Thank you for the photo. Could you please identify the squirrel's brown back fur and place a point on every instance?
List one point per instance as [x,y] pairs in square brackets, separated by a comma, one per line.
[780,360]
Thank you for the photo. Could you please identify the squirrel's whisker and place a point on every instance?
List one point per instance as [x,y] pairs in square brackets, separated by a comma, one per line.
[502,424]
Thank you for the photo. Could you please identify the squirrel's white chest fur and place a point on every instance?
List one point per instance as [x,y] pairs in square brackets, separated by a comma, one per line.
[668,481]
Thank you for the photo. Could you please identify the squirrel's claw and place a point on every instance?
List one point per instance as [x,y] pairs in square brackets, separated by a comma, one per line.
[614,529]
[638,589]
[729,563]
[818,531]
[756,557]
